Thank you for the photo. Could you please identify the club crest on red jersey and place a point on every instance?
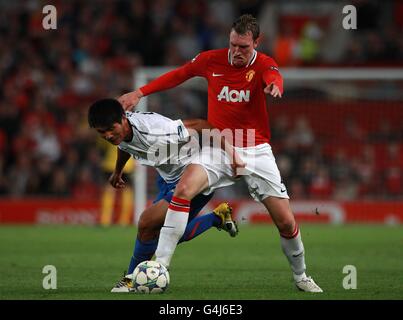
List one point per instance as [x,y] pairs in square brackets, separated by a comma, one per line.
[249,75]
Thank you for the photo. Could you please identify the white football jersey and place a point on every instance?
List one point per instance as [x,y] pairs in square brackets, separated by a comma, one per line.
[160,142]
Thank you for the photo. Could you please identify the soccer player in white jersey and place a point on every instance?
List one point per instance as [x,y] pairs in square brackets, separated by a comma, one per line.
[239,78]
[146,136]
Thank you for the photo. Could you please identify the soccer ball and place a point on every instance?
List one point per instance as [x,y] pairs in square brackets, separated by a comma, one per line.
[150,277]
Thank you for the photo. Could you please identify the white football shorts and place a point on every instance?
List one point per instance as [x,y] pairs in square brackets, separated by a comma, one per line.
[261,173]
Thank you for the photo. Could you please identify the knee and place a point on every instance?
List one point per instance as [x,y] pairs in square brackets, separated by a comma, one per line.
[146,231]
[286,226]
[184,191]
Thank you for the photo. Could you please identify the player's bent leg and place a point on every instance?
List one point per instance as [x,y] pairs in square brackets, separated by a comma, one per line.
[199,225]
[192,182]
[221,218]
[151,221]
[280,211]
[174,226]
[291,241]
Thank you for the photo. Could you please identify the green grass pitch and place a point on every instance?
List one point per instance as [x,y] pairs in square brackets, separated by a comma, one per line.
[89,261]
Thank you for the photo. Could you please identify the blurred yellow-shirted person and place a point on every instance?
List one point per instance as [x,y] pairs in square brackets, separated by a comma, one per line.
[109,193]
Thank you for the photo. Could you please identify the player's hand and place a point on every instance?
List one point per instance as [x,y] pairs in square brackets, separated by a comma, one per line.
[237,164]
[116,180]
[273,90]
[131,99]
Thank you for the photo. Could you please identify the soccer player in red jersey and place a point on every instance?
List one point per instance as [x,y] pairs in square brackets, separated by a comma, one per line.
[238,80]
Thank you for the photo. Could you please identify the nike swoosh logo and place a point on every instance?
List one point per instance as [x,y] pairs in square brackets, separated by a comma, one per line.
[217,74]
[168,227]
[298,255]
[283,190]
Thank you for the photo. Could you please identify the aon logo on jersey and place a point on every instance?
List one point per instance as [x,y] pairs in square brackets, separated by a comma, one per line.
[233,95]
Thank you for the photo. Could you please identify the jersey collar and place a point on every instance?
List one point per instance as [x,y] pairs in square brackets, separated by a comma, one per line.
[251,61]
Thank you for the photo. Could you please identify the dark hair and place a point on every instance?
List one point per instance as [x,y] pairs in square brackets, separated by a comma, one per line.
[104,113]
[246,23]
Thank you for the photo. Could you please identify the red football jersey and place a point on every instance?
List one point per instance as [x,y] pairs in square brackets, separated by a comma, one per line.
[236,99]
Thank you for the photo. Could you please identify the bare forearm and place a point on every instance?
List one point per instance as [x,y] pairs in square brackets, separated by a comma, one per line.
[200,125]
[121,160]
[197,124]
[164,82]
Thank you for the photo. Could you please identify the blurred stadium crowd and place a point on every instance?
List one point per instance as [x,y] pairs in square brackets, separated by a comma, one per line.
[49,78]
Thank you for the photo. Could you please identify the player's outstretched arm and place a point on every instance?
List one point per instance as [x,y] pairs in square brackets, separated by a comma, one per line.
[166,81]
[116,178]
